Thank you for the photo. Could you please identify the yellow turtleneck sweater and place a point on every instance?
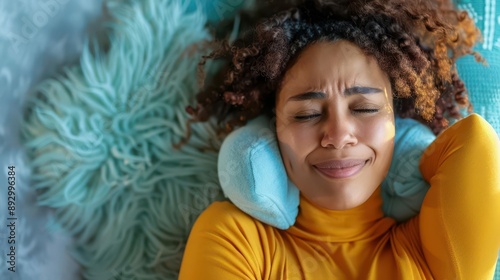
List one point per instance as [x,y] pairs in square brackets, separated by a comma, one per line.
[455,236]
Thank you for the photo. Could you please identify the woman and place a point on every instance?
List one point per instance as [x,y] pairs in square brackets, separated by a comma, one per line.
[334,80]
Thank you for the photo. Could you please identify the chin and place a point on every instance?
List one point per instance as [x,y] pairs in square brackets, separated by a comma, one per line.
[340,195]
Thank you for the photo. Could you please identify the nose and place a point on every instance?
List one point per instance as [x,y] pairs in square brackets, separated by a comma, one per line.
[339,133]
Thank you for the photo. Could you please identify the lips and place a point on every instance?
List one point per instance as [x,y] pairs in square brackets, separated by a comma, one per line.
[339,169]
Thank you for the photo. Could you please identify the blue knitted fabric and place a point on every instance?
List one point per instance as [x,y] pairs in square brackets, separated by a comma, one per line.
[483,82]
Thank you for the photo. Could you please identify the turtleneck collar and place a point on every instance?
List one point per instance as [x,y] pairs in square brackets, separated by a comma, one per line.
[366,221]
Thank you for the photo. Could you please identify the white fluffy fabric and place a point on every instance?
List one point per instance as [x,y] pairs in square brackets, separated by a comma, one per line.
[37,38]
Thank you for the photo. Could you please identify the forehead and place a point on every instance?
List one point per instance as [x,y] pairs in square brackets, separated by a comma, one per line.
[340,61]
[325,58]
[336,50]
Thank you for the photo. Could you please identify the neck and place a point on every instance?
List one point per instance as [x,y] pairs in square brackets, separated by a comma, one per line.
[365,221]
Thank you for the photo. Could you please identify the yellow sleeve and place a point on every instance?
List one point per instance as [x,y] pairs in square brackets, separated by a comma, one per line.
[460,216]
[223,244]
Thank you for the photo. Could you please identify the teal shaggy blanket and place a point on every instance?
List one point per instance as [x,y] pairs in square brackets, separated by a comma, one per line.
[101,138]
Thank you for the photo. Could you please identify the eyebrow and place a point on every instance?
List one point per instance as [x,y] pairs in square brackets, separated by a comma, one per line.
[321,95]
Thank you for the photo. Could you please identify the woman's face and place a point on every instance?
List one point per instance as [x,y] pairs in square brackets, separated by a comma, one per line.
[335,124]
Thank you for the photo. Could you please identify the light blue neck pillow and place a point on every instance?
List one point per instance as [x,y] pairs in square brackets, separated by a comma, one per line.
[253,177]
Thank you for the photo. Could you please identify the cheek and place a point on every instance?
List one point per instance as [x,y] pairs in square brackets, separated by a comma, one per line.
[380,131]
[379,134]
[295,144]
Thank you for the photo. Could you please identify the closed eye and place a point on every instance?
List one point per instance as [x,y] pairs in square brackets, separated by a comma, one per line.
[306,117]
[356,111]
[365,111]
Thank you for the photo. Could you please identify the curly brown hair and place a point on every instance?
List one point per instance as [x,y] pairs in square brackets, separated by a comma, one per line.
[415,42]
